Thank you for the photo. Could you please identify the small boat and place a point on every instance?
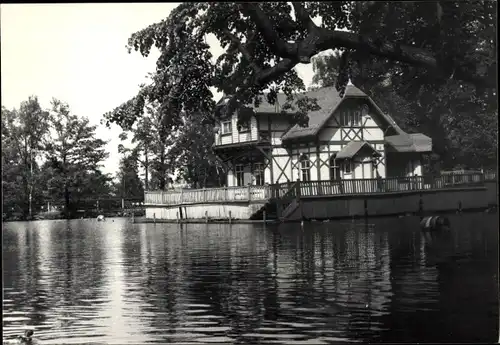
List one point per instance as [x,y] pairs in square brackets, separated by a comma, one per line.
[100,218]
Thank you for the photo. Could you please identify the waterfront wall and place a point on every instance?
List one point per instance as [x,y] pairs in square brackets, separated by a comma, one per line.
[200,211]
[492,192]
[391,204]
[328,199]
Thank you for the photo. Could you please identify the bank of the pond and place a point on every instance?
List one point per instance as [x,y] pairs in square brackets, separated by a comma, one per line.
[144,220]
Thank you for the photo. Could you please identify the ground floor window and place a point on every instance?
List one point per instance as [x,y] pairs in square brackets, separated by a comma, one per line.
[334,168]
[305,168]
[258,173]
[238,169]
[347,166]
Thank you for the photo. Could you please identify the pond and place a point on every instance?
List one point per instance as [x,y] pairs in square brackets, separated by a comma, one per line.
[379,281]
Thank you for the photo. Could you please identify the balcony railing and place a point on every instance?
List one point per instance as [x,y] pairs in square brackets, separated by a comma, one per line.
[196,196]
[292,190]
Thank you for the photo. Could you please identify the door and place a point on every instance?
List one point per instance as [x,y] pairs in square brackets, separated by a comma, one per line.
[368,173]
[368,169]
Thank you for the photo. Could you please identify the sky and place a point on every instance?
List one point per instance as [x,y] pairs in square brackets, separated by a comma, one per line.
[76,53]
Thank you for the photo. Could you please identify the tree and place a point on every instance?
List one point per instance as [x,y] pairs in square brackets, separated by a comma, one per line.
[192,154]
[74,155]
[24,133]
[152,140]
[455,114]
[439,42]
[129,184]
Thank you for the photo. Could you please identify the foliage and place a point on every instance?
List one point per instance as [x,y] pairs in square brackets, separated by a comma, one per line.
[74,156]
[192,154]
[151,140]
[129,184]
[263,42]
[24,131]
[459,115]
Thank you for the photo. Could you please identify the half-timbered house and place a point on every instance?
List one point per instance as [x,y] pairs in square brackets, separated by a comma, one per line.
[349,137]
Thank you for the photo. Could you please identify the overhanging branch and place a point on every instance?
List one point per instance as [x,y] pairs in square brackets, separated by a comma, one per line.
[242,50]
[266,28]
[321,39]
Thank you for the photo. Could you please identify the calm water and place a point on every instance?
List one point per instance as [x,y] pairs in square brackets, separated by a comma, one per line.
[116,282]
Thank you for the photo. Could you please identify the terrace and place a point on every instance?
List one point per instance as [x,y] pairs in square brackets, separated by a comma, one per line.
[305,189]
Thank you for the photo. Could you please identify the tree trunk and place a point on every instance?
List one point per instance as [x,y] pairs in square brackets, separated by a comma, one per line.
[162,172]
[146,169]
[26,184]
[66,201]
[66,189]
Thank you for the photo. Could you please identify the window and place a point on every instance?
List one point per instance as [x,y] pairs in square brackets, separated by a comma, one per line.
[356,118]
[258,172]
[347,166]
[344,116]
[334,168]
[243,127]
[238,169]
[350,118]
[226,127]
[305,168]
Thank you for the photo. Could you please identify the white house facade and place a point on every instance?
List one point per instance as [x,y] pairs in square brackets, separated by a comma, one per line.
[348,138]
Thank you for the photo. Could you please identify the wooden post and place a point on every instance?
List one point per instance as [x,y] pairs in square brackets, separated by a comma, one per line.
[421,207]
[123,203]
[279,206]
[177,216]
[249,195]
[154,217]
[206,216]
[182,192]
[229,217]
[297,197]
[297,190]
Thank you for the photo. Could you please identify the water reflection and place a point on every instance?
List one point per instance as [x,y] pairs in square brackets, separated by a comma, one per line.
[116,282]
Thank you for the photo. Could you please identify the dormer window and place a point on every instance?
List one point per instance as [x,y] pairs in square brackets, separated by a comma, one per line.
[226,127]
[351,117]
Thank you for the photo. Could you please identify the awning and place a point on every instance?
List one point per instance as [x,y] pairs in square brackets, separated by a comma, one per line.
[353,147]
[417,142]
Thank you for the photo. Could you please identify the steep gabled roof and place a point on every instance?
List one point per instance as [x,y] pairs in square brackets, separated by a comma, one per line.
[329,103]
[416,142]
[353,147]
[328,99]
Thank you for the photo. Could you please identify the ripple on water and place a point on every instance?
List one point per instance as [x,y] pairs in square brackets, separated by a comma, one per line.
[126,283]
[218,340]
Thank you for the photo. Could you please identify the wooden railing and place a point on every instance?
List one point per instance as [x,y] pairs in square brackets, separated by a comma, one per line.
[287,192]
[194,196]
[391,184]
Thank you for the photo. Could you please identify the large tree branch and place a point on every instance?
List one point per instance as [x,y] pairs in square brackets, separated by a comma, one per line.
[321,39]
[303,16]
[331,39]
[266,28]
[243,50]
